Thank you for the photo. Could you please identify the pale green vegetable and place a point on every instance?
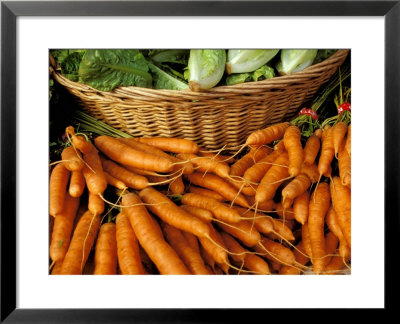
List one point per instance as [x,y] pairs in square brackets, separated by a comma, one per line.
[242,61]
[292,60]
[206,68]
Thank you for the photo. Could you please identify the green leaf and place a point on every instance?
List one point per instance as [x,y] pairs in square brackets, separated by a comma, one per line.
[264,72]
[107,69]
[237,78]
[164,80]
[240,61]
[178,56]
[293,60]
[70,65]
[206,68]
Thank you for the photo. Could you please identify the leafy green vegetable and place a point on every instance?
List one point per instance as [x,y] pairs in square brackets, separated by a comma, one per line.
[164,80]
[206,68]
[70,66]
[69,61]
[323,54]
[240,61]
[264,72]
[177,56]
[237,78]
[292,60]
[105,69]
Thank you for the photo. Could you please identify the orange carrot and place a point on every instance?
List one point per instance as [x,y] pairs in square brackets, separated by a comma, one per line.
[72,159]
[164,208]
[135,144]
[77,184]
[344,161]
[273,179]
[127,246]
[336,266]
[341,201]
[150,237]
[331,243]
[264,206]
[332,222]
[132,180]
[319,205]
[266,224]
[243,231]
[203,214]
[255,173]
[124,154]
[348,140]
[327,151]
[296,187]
[206,164]
[56,270]
[275,252]
[62,228]
[95,204]
[282,229]
[248,160]
[219,210]
[206,192]
[177,186]
[115,182]
[79,141]
[267,135]
[189,256]
[174,145]
[208,259]
[81,243]
[301,259]
[312,172]
[292,142]
[217,157]
[250,261]
[311,149]
[339,131]
[282,212]
[305,236]
[105,257]
[300,207]
[57,188]
[215,246]
[93,172]
[192,241]
[219,185]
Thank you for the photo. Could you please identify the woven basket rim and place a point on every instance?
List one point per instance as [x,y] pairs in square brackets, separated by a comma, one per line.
[276,82]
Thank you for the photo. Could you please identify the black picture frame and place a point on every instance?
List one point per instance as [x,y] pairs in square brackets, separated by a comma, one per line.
[11,10]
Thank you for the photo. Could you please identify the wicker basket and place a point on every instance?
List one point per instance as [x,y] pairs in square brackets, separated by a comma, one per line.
[222,116]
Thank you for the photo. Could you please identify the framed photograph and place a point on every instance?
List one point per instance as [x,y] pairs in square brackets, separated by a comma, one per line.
[367,31]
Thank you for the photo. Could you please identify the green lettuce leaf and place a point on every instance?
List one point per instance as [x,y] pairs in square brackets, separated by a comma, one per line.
[177,56]
[323,54]
[69,61]
[164,80]
[248,60]
[206,68]
[294,60]
[262,73]
[106,69]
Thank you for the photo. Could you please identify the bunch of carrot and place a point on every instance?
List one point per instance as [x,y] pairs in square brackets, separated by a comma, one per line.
[277,206]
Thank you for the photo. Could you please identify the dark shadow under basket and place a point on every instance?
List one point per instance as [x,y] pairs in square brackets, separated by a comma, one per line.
[222,116]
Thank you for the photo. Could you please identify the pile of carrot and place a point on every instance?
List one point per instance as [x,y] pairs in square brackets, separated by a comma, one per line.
[280,205]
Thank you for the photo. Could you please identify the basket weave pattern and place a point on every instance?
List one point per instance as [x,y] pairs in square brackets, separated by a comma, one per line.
[224,115]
